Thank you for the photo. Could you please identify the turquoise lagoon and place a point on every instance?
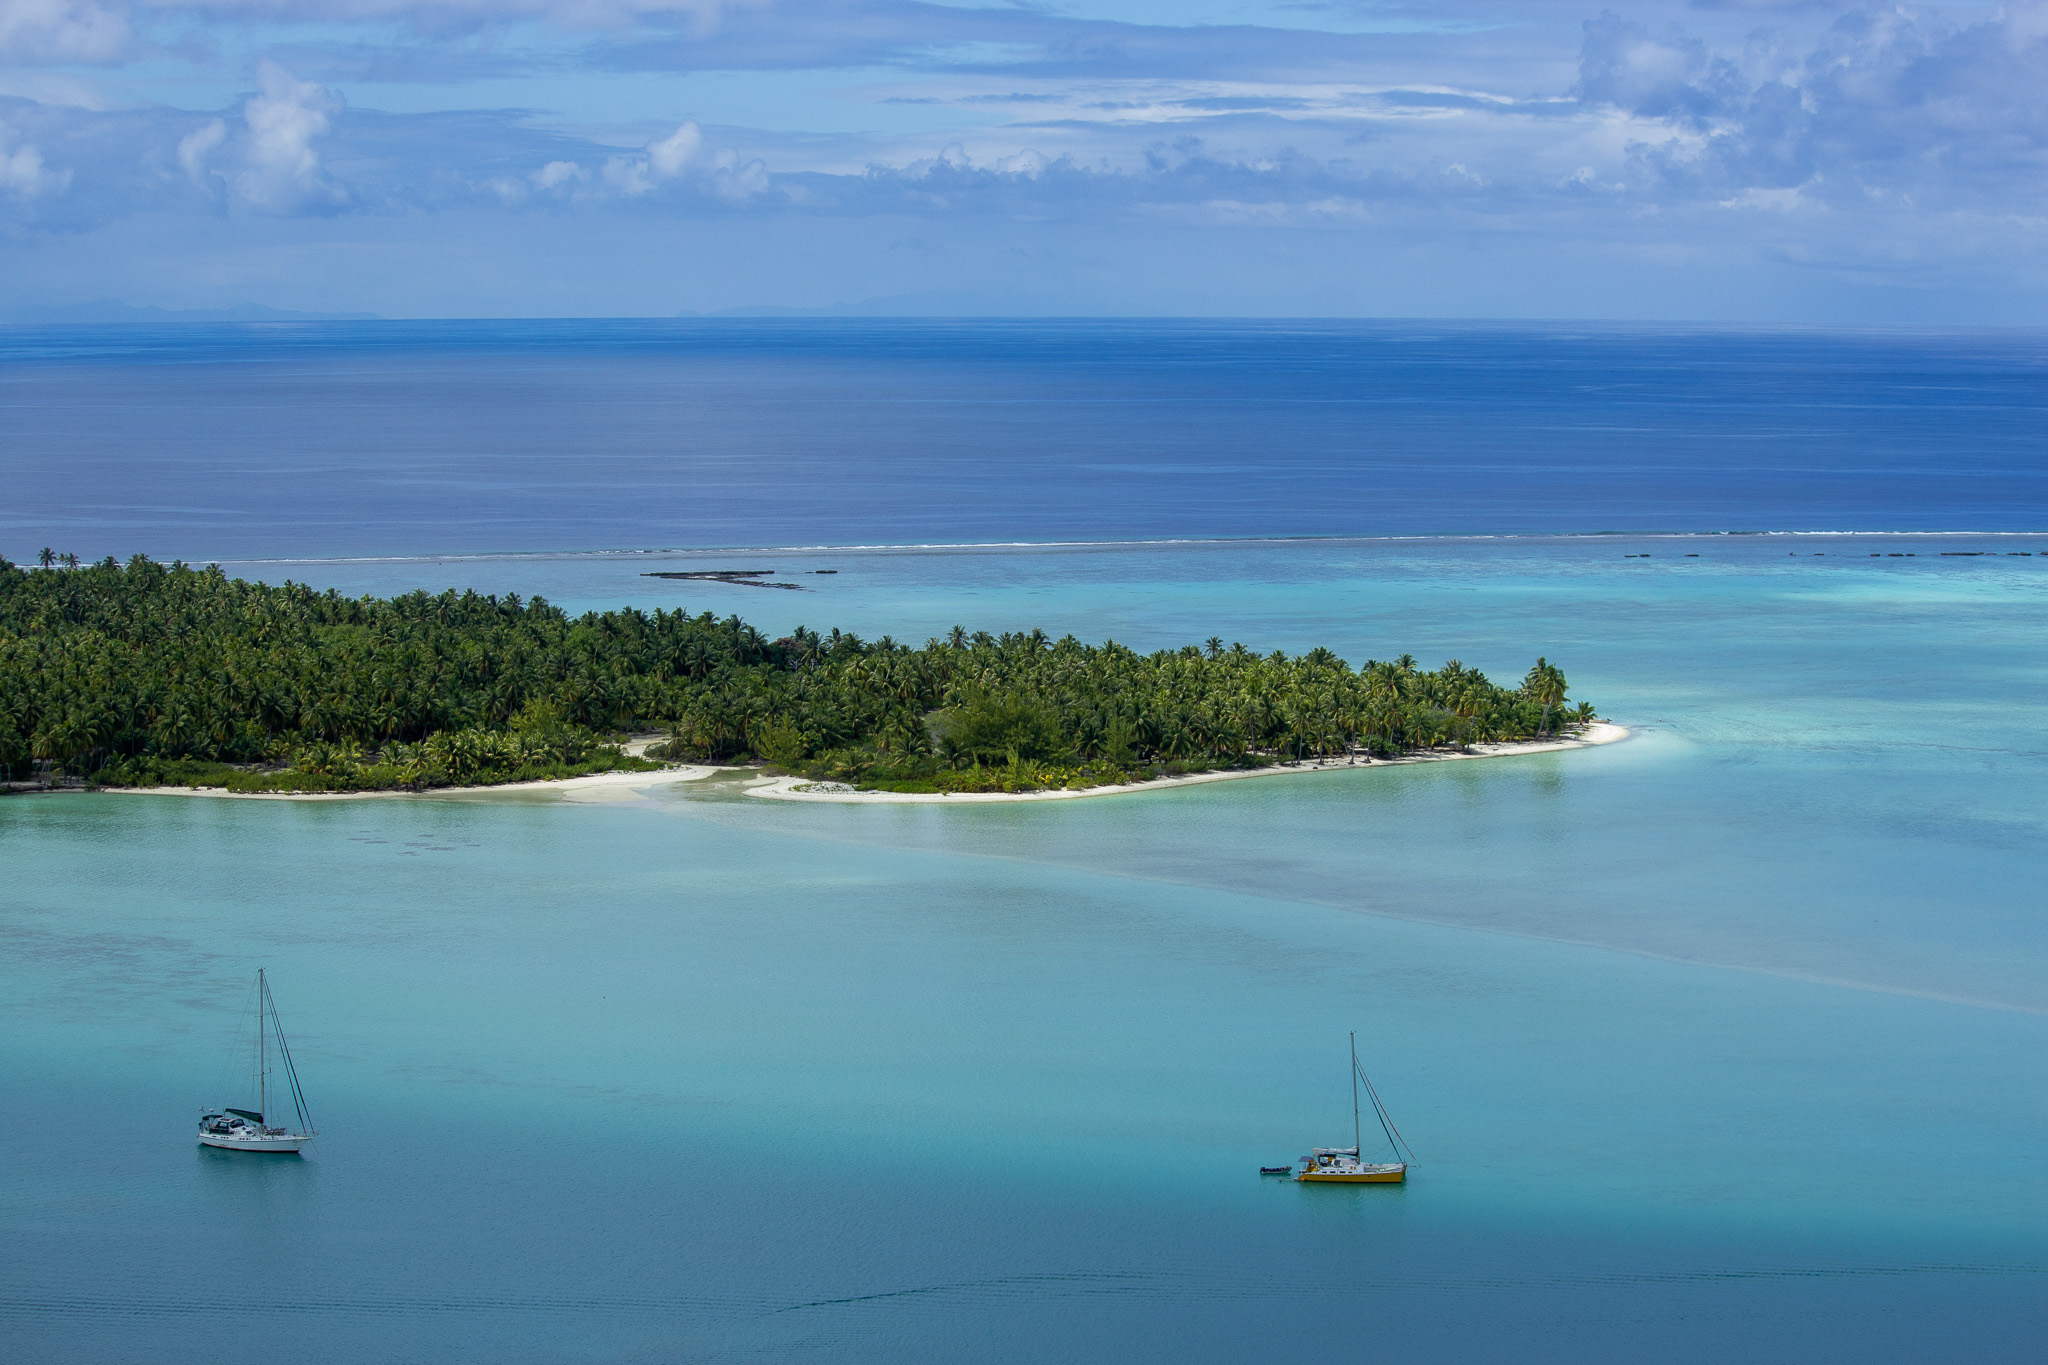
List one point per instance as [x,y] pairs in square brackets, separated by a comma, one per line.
[1726,1042]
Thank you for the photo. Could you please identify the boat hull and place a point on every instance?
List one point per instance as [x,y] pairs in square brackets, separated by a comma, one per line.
[277,1146]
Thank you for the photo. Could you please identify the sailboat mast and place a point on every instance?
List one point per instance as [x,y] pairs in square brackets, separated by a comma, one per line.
[1357,1142]
[263,1056]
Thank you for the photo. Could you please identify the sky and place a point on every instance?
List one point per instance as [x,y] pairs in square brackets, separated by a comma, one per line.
[1719,160]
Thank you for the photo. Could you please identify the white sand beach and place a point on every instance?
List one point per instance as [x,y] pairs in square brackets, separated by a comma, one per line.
[801,789]
[589,787]
[610,787]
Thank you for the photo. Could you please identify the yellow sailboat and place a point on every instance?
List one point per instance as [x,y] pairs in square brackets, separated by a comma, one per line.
[1342,1165]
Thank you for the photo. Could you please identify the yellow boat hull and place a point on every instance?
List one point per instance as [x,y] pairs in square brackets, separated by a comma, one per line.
[1315,1177]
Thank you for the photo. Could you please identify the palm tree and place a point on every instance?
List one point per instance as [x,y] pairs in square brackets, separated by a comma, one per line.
[47,557]
[1545,684]
[184,660]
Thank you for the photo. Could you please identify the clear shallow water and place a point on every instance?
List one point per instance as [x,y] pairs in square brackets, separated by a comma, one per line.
[1837,773]
[704,1077]
[698,1077]
[617,1082]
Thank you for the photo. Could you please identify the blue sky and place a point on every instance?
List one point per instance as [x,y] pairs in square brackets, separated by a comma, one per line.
[1736,160]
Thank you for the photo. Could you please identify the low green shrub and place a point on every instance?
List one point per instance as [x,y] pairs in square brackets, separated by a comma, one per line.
[322,768]
[148,770]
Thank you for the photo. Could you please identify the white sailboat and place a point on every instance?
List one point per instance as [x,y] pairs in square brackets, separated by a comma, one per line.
[1346,1165]
[247,1130]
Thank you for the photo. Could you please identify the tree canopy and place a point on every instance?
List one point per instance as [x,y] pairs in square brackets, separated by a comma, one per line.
[112,664]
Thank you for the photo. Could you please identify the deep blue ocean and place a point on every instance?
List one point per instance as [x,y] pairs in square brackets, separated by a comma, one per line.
[411,438]
[1725,1043]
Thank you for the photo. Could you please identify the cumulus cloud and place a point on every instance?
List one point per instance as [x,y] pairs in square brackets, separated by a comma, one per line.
[22,171]
[197,146]
[556,174]
[681,158]
[281,170]
[1029,163]
[1886,103]
[1658,75]
[954,160]
[736,181]
[667,156]
[662,159]
[265,156]
[1865,111]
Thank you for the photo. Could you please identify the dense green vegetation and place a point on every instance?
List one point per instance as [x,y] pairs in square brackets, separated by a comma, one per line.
[147,672]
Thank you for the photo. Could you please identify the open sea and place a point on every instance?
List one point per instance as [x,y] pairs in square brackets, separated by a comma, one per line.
[1726,1043]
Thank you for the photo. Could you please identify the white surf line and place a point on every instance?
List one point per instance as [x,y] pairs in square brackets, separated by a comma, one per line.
[1161,542]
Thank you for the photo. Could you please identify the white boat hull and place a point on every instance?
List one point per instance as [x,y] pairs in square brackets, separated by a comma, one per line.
[284,1144]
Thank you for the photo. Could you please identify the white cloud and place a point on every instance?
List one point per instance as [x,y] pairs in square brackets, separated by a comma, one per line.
[61,31]
[737,181]
[22,171]
[196,146]
[1886,104]
[680,156]
[1660,75]
[1028,163]
[1863,123]
[557,178]
[556,174]
[667,157]
[281,168]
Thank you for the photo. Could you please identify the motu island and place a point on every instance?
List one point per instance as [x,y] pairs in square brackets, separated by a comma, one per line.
[146,674]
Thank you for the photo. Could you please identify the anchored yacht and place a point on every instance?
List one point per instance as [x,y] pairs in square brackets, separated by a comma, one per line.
[247,1130]
[1342,1165]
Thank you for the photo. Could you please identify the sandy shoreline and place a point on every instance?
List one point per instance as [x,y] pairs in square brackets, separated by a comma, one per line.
[600,787]
[568,785]
[802,789]
[589,787]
